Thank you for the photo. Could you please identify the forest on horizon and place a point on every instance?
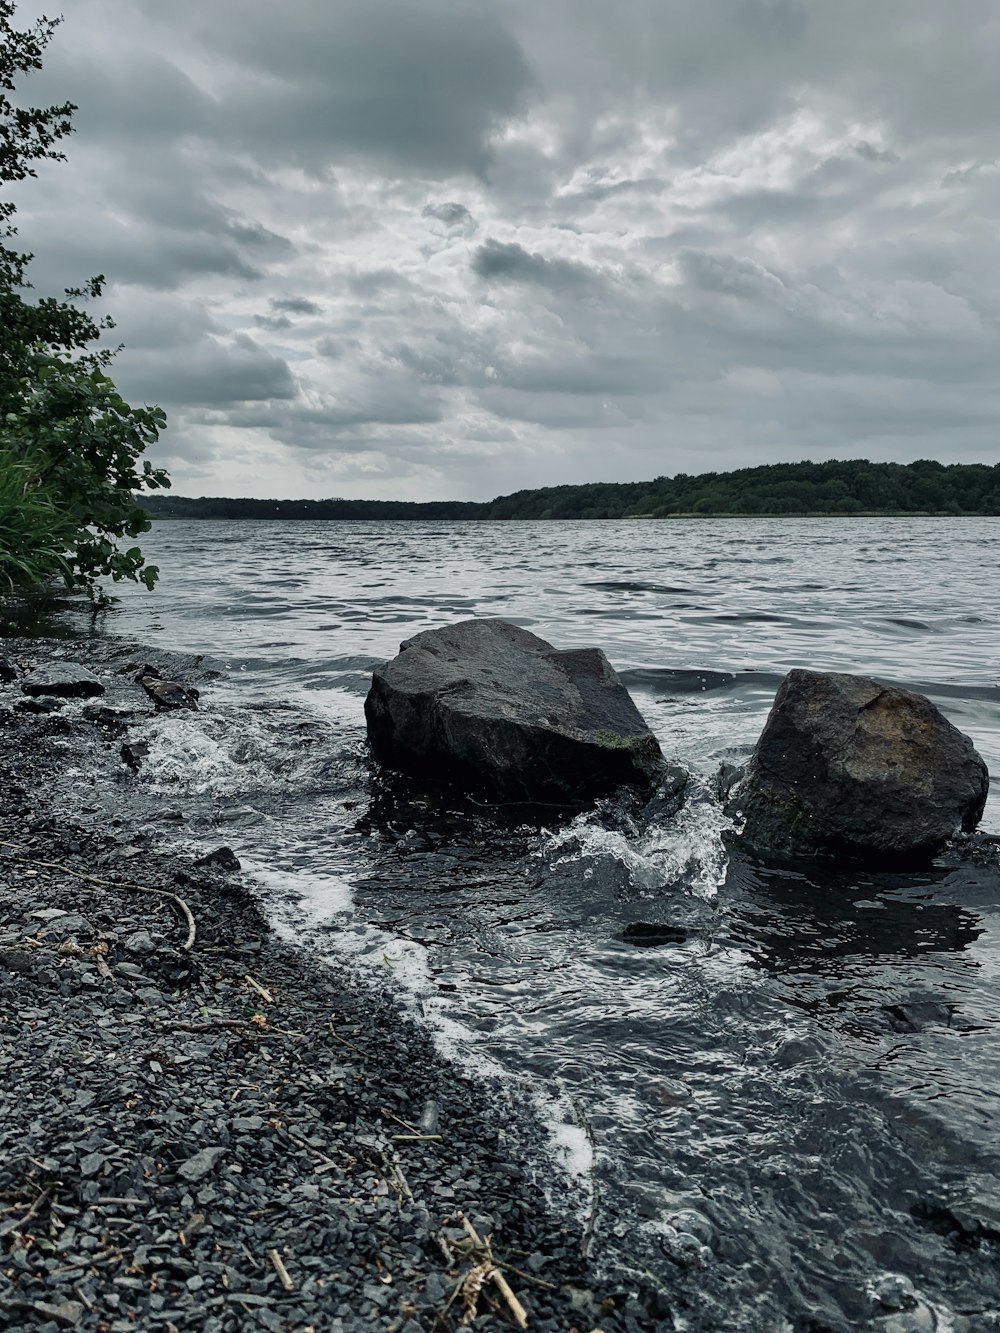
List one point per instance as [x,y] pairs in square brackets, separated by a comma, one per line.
[850,487]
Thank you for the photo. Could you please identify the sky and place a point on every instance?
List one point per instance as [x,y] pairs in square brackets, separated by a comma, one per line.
[429,249]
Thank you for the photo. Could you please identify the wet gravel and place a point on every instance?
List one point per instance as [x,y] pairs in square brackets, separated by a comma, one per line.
[237,1134]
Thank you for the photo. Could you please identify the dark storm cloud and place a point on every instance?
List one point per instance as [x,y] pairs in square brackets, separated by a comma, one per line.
[150,256]
[733,277]
[295,305]
[211,373]
[312,428]
[513,263]
[453,215]
[146,100]
[419,86]
[377,280]
[153,228]
[734,67]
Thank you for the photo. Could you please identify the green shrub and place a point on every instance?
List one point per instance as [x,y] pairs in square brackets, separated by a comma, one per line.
[69,443]
[34,533]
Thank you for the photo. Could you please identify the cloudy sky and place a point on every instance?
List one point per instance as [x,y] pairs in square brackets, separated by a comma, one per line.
[422,249]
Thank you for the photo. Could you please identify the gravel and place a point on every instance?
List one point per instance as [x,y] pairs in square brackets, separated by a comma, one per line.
[241,1134]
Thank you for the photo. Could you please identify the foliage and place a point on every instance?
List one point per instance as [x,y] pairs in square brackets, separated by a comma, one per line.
[853,486]
[85,442]
[33,530]
[69,443]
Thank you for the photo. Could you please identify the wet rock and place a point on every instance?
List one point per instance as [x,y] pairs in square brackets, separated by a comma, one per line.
[16,960]
[166,693]
[489,704]
[65,925]
[103,716]
[693,1223]
[223,858]
[8,671]
[846,764]
[685,1249]
[43,705]
[133,753]
[62,680]
[893,1291]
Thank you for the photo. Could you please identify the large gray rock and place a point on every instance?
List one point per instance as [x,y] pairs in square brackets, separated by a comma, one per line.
[492,706]
[846,764]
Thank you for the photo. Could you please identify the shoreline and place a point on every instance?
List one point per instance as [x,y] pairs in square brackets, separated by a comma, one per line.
[242,1133]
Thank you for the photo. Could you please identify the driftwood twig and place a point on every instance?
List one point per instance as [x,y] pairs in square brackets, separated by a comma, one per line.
[264,993]
[405,1123]
[282,1272]
[175,898]
[316,1152]
[492,1272]
[15,1224]
[401,1181]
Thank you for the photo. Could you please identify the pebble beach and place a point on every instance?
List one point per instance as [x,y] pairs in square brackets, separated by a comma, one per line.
[206,1126]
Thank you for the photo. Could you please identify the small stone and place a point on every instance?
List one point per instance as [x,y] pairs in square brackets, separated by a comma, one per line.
[434,1289]
[223,857]
[140,942]
[579,1298]
[693,1223]
[15,960]
[198,1166]
[92,1163]
[132,970]
[66,925]
[64,1315]
[894,1291]
[38,705]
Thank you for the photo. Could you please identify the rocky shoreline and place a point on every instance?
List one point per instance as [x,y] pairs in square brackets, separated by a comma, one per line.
[238,1134]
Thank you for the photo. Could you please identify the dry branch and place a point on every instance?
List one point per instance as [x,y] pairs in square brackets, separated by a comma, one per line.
[489,1269]
[175,898]
[282,1272]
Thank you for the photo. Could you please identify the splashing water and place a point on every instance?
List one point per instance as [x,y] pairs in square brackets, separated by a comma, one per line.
[685,853]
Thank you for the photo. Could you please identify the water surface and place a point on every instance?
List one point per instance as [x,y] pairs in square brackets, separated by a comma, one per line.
[780,1083]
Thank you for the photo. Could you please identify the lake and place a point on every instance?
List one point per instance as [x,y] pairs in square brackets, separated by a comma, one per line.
[772,1087]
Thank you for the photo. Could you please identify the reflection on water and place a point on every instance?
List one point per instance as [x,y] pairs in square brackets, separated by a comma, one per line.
[784,1077]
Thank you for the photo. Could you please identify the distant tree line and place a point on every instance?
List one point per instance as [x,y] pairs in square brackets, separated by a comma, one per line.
[176,506]
[853,486]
